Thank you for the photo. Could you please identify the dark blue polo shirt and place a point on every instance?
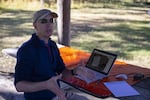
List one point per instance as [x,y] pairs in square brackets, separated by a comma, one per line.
[36,63]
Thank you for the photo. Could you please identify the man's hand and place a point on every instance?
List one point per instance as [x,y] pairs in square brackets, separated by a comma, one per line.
[52,85]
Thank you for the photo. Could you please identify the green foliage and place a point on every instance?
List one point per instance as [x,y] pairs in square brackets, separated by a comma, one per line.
[75,4]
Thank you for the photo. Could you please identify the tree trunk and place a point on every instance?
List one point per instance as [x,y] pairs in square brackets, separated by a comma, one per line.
[63,23]
[42,3]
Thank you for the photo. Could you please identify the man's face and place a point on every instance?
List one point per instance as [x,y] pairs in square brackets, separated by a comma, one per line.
[44,27]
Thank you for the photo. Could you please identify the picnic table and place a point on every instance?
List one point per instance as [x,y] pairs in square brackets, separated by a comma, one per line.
[72,57]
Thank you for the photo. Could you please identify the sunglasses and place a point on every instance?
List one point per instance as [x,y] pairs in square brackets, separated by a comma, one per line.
[45,21]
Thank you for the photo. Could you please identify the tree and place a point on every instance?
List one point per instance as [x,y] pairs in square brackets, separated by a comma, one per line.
[64,22]
[42,3]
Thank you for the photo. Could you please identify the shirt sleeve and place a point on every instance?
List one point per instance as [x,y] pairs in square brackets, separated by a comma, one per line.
[61,65]
[24,65]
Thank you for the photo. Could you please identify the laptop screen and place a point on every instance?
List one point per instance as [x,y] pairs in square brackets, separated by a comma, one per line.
[101,61]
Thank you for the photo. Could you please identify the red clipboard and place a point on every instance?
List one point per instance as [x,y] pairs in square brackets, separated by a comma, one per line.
[96,88]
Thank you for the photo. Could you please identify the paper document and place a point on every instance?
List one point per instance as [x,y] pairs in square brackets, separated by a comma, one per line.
[121,88]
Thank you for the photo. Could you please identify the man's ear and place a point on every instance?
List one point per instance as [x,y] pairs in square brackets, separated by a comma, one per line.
[34,25]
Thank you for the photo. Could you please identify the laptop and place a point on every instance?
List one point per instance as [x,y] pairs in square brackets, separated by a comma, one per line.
[100,64]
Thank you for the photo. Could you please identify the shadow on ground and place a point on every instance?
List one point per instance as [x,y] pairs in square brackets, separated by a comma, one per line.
[8,91]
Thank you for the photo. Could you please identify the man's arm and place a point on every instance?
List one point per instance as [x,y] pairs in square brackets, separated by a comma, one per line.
[51,84]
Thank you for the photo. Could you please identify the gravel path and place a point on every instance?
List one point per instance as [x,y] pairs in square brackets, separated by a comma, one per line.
[7,89]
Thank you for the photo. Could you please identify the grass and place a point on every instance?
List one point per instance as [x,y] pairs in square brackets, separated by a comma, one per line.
[124,31]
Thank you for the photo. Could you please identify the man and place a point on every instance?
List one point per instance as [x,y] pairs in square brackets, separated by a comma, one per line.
[39,64]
